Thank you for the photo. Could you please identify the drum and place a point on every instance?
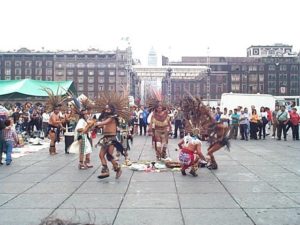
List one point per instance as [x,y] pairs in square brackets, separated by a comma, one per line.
[69,139]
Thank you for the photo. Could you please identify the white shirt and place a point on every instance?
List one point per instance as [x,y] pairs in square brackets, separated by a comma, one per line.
[45,117]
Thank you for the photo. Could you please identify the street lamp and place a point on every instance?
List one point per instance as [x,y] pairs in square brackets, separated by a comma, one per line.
[208,85]
[169,87]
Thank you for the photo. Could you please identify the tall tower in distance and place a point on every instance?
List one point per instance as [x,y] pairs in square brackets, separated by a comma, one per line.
[152,57]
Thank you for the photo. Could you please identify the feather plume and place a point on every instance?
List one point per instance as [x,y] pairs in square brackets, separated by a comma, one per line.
[54,100]
[120,103]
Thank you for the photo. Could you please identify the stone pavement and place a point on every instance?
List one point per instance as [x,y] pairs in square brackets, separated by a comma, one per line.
[258,182]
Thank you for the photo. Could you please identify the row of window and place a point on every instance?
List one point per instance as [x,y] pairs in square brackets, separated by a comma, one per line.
[245,78]
[88,65]
[8,64]
[261,67]
[90,72]
[100,88]
[28,63]
[39,71]
[91,80]
[247,88]
[18,72]
[283,90]
[48,78]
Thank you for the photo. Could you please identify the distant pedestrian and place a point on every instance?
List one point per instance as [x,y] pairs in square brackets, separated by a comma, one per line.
[283,119]
[295,120]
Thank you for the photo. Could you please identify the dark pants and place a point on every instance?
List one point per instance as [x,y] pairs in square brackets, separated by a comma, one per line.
[288,125]
[178,125]
[143,126]
[234,131]
[253,130]
[281,128]
[2,145]
[295,130]
[262,130]
[243,131]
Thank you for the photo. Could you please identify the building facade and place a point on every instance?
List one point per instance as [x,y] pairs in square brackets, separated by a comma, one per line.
[269,50]
[152,57]
[92,71]
[265,75]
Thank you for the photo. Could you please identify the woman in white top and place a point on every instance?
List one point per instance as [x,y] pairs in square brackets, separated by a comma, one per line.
[263,116]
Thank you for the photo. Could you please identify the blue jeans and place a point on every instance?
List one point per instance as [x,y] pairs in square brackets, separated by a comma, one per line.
[9,146]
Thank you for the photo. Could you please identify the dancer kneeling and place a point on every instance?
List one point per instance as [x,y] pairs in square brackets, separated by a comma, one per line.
[190,153]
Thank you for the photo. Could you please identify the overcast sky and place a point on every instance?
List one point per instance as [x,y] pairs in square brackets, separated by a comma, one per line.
[174,28]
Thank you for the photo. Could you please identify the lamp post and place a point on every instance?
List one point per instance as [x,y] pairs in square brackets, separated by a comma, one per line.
[208,85]
[169,85]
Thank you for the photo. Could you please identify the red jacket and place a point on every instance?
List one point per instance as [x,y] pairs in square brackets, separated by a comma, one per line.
[269,115]
[294,118]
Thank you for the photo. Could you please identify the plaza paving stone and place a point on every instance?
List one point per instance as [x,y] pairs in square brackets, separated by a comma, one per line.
[257,183]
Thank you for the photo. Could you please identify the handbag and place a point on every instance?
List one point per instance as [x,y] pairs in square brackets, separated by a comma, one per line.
[264,120]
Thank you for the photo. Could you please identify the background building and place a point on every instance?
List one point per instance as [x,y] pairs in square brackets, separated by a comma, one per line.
[92,71]
[152,57]
[270,50]
[276,75]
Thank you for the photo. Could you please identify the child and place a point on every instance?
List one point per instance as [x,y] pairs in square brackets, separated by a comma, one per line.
[10,137]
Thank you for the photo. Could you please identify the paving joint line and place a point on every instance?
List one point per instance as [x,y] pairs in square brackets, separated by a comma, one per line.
[124,195]
[35,183]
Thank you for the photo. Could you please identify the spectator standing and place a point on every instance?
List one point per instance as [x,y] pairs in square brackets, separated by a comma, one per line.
[253,124]
[178,117]
[274,120]
[283,118]
[244,120]
[234,124]
[295,120]
[10,137]
[263,116]
[142,115]
[225,117]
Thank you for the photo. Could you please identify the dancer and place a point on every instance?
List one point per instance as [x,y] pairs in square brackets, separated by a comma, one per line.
[53,105]
[200,116]
[190,153]
[113,106]
[81,133]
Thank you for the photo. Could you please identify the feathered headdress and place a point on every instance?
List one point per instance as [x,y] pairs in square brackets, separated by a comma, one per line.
[196,112]
[54,100]
[155,100]
[119,102]
[199,117]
